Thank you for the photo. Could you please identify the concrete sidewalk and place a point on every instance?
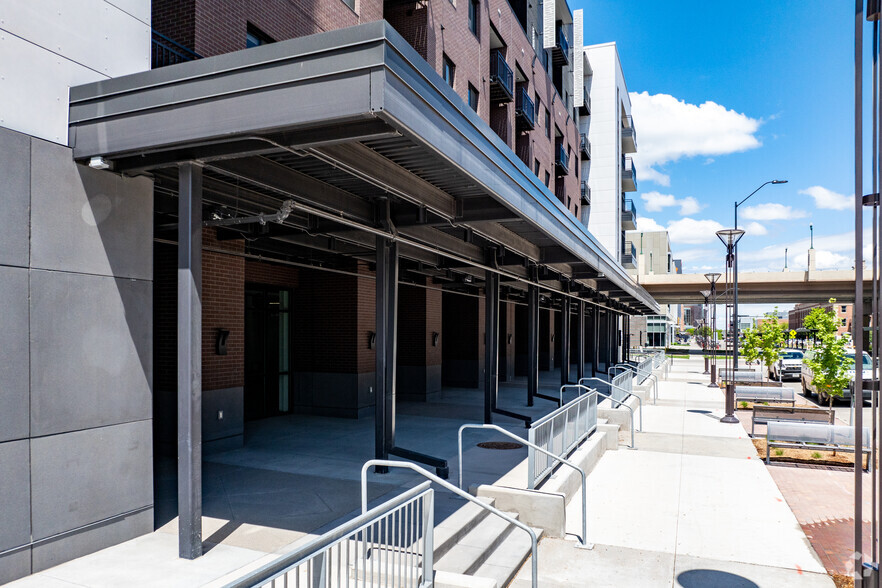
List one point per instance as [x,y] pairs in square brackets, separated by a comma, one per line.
[691,506]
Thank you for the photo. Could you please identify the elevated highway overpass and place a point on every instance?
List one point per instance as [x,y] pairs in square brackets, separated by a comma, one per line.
[758,287]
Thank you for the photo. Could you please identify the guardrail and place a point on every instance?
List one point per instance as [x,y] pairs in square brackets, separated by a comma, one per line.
[391,544]
[532,448]
[631,370]
[621,386]
[611,399]
[462,494]
[165,51]
[559,432]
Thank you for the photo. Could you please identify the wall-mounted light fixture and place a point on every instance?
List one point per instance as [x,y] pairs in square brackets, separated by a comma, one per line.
[99,162]
[372,340]
[510,337]
[220,341]
[435,337]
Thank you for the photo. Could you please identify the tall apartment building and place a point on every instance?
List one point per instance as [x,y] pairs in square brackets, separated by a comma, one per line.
[303,207]
[611,136]
[652,255]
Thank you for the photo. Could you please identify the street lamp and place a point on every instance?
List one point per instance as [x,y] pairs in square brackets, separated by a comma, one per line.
[712,278]
[730,238]
[735,269]
[706,294]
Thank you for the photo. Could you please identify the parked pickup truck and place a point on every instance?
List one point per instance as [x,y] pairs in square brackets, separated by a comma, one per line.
[789,365]
[806,377]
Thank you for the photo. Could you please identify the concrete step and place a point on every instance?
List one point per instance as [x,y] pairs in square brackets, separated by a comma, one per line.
[503,564]
[452,530]
[476,546]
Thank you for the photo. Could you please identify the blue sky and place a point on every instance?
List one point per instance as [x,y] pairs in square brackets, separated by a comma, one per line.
[779,76]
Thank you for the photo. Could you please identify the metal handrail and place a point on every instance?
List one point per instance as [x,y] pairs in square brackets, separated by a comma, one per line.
[501,72]
[283,564]
[584,541]
[625,367]
[631,410]
[562,157]
[524,105]
[586,193]
[445,484]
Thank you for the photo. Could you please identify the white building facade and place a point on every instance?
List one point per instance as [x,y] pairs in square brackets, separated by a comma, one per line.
[610,174]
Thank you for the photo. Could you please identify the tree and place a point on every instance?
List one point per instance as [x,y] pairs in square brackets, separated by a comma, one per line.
[764,342]
[828,362]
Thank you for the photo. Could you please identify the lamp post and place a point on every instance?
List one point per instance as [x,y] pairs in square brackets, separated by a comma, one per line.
[712,278]
[735,270]
[730,238]
[706,294]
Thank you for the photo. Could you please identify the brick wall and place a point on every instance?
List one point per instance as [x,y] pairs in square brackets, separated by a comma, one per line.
[223,307]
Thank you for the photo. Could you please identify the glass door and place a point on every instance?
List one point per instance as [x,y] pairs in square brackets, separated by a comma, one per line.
[267,351]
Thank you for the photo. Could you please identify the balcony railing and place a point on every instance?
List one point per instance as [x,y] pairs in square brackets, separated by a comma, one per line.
[586,194]
[585,109]
[629,215]
[629,177]
[629,135]
[525,110]
[561,160]
[585,146]
[629,256]
[560,53]
[164,51]
[501,79]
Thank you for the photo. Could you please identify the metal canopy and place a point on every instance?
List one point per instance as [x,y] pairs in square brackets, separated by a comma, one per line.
[337,122]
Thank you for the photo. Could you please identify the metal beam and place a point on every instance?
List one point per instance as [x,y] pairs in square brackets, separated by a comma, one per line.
[564,340]
[483,209]
[365,163]
[532,342]
[386,345]
[580,341]
[556,254]
[491,344]
[189,361]
[595,336]
[513,242]
[304,188]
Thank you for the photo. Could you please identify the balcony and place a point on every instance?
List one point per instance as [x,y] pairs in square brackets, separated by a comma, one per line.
[629,136]
[584,146]
[585,109]
[164,51]
[586,194]
[501,79]
[629,176]
[629,256]
[629,215]
[525,111]
[560,53]
[561,160]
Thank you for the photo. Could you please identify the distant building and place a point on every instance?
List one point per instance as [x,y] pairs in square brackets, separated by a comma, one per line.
[652,251]
[844,312]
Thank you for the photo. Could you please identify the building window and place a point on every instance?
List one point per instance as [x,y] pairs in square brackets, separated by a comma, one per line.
[473,16]
[448,70]
[473,98]
[536,168]
[547,123]
[547,178]
[255,37]
[843,308]
[843,322]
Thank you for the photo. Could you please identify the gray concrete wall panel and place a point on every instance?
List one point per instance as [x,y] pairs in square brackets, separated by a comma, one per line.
[57,551]
[15,495]
[14,360]
[88,220]
[15,197]
[86,476]
[91,351]
[230,401]
[15,565]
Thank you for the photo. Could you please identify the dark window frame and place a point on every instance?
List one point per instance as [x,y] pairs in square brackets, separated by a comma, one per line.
[474,97]
[448,68]
[474,17]
[255,37]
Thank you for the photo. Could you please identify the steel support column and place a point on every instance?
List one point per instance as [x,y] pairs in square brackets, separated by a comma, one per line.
[386,347]
[189,361]
[491,344]
[532,342]
[580,340]
[564,340]
[595,338]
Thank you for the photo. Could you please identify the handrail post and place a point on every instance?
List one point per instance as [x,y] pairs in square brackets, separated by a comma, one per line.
[584,542]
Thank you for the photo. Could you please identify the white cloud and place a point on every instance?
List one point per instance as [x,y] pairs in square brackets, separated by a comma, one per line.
[669,129]
[656,201]
[772,211]
[691,231]
[755,228]
[645,224]
[825,198]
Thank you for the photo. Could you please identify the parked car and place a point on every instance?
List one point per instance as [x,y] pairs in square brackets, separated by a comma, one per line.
[789,365]
[806,377]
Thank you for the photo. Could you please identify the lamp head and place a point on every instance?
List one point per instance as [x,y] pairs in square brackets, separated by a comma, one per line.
[779,181]
[730,236]
[712,277]
[705,293]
